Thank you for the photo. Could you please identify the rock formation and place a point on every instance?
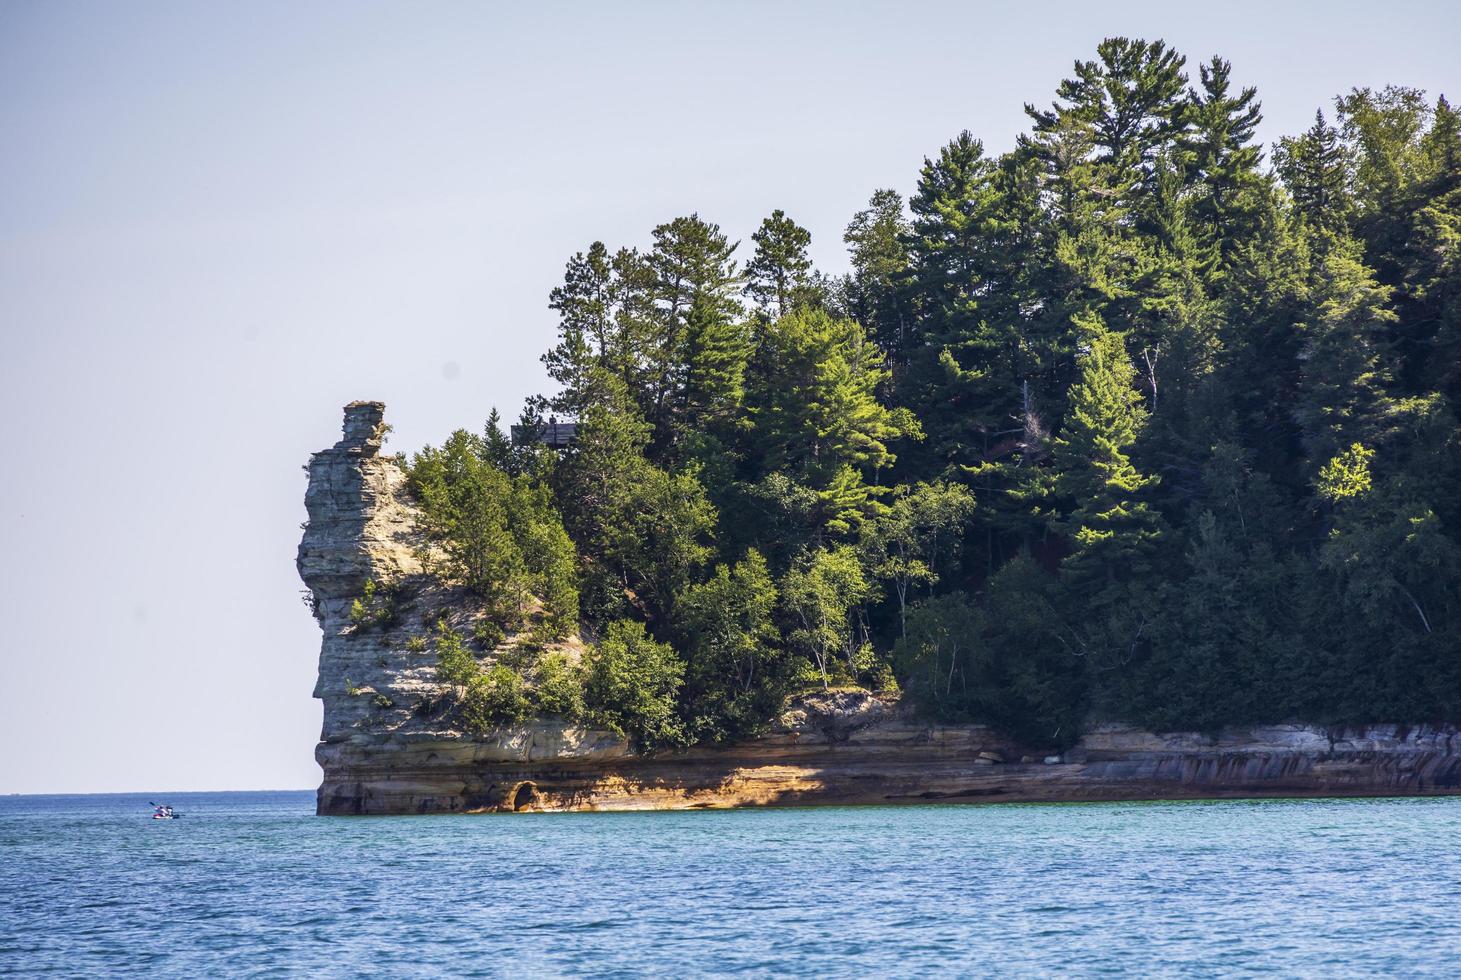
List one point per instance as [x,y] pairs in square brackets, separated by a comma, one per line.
[385,750]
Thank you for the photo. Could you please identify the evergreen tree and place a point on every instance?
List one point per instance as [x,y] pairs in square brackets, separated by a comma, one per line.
[1343,395]
[1223,158]
[585,326]
[717,352]
[644,529]
[778,273]
[1131,101]
[694,277]
[1431,288]
[1112,530]
[877,246]
[1030,678]
[499,536]
[496,445]
[818,416]
[1315,167]
[965,376]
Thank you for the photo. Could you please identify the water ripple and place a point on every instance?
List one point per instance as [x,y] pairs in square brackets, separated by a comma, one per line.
[253,884]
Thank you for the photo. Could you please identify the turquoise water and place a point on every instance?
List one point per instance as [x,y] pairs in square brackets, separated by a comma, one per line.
[253,883]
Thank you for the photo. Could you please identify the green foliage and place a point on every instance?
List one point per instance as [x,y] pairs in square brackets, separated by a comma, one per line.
[919,534]
[936,654]
[455,664]
[1208,414]
[643,527]
[877,247]
[631,687]
[559,687]
[819,600]
[1034,682]
[777,275]
[1315,168]
[500,536]
[1111,528]
[494,698]
[375,608]
[416,644]
[1346,475]
[487,634]
[818,417]
[737,672]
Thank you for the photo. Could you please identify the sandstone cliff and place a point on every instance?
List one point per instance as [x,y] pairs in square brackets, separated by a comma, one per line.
[385,748]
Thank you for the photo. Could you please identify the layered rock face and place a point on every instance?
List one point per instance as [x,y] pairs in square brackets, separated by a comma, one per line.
[360,529]
[383,749]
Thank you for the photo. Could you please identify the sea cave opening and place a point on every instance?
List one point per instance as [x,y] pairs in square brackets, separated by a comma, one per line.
[525,796]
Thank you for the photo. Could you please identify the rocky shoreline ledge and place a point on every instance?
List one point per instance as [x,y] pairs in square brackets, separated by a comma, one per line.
[848,748]
[380,756]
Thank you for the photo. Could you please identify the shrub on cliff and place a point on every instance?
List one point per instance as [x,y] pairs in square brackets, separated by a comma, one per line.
[631,687]
[454,662]
[494,698]
[559,687]
[737,671]
[376,608]
[499,536]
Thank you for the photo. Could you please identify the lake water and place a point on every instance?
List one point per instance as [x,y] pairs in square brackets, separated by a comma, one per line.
[254,883]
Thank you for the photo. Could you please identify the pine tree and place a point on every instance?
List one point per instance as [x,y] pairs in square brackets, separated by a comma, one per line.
[694,275]
[1432,277]
[1130,99]
[877,246]
[584,326]
[1343,395]
[717,352]
[1112,530]
[496,445]
[1315,167]
[818,416]
[1223,158]
[779,271]
[967,251]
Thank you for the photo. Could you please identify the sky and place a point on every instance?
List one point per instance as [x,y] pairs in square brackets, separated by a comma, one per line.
[221,222]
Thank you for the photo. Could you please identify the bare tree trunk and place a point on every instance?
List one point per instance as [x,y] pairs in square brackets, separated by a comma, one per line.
[1150,355]
[1418,610]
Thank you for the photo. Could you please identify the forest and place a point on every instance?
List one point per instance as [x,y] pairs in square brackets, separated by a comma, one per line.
[1139,421]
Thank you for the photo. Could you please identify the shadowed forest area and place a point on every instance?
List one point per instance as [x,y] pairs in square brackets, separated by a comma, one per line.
[1140,420]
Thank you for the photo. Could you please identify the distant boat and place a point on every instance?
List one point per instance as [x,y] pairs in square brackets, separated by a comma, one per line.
[163,811]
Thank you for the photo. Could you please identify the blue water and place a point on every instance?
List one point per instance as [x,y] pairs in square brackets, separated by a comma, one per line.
[254,883]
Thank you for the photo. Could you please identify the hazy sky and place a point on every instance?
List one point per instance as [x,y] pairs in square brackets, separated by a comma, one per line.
[220,222]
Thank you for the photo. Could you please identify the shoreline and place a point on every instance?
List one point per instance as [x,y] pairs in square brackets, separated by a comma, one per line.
[892,762]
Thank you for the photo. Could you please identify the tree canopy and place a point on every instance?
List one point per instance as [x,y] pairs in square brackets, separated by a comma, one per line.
[1134,421]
